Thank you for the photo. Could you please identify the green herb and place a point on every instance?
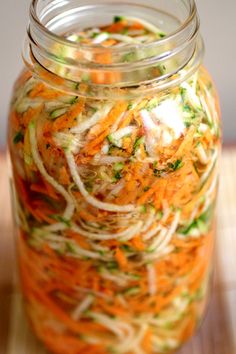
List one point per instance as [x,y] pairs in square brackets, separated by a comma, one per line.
[77,86]
[93,109]
[145,189]
[58,112]
[74,100]
[162,69]
[19,137]
[143,209]
[187,124]
[158,173]
[61,219]
[206,216]
[111,350]
[88,186]
[188,229]
[209,86]
[28,159]
[175,165]
[85,77]
[152,104]
[129,57]
[113,149]
[102,253]
[117,176]
[169,325]
[132,291]
[161,34]
[60,252]
[159,215]
[118,166]
[118,19]
[130,106]
[183,93]
[95,34]
[186,108]
[126,248]
[70,248]
[110,139]
[202,223]
[125,31]
[139,141]
[111,265]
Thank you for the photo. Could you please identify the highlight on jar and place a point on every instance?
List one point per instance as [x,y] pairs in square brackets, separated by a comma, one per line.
[114,138]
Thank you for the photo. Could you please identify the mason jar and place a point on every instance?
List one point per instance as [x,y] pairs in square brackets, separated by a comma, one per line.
[114,139]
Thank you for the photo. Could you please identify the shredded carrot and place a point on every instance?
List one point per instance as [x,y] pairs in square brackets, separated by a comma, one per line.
[95,145]
[137,26]
[64,177]
[147,341]
[30,114]
[186,143]
[138,243]
[37,90]
[109,42]
[46,189]
[15,120]
[68,120]
[157,186]
[120,257]
[107,121]
[116,27]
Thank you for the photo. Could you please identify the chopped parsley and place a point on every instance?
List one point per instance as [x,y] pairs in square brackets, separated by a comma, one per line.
[130,106]
[161,35]
[61,219]
[19,137]
[74,100]
[174,166]
[70,247]
[186,108]
[145,189]
[117,176]
[139,141]
[118,166]
[171,167]
[118,19]
[95,34]
[126,248]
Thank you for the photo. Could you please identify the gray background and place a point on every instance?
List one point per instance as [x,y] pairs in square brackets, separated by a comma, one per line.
[218,29]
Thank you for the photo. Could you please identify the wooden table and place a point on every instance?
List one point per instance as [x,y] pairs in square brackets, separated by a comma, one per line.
[218,333]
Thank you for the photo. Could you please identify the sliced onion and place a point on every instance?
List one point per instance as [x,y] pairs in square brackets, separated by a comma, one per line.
[91,200]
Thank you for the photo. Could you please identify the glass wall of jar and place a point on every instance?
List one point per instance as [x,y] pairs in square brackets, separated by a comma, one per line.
[114,138]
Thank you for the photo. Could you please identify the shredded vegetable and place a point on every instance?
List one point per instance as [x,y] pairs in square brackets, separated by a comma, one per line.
[115,208]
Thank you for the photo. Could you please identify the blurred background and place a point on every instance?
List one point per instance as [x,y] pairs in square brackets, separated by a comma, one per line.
[218,29]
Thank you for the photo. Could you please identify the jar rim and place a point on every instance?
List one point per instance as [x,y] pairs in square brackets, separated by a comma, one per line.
[178,50]
[63,40]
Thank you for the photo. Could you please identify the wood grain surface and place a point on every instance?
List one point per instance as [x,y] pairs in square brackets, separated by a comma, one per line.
[218,332]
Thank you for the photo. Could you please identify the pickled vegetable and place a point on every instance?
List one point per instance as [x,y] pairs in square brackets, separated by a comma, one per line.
[115,207]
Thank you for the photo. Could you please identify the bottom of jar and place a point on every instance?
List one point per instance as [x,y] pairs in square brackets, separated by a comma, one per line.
[159,329]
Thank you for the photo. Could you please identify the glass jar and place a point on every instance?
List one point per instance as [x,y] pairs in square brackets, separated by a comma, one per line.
[114,138]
